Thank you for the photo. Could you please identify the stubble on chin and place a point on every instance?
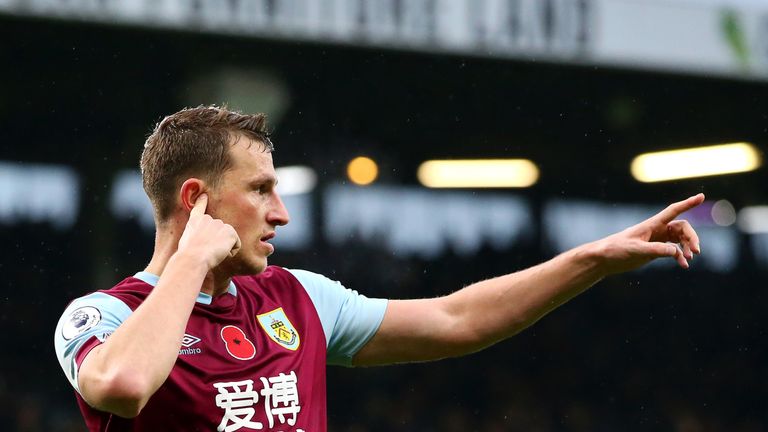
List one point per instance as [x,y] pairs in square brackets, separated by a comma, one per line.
[237,266]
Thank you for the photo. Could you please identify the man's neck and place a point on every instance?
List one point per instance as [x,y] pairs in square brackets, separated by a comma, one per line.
[166,243]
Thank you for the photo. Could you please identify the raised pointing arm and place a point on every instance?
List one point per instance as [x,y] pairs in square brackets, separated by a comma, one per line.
[492,310]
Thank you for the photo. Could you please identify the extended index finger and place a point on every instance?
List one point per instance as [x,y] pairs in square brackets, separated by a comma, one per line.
[676,209]
[200,206]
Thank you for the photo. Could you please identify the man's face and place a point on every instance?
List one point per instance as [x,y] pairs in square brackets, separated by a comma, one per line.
[245,197]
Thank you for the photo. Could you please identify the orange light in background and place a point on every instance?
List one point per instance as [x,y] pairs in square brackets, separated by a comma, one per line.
[362,171]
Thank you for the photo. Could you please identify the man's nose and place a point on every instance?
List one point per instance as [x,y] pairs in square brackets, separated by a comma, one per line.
[278,215]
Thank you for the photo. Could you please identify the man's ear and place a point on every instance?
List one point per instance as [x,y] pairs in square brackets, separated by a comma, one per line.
[190,190]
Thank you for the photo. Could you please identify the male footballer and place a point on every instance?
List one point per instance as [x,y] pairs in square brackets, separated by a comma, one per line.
[210,337]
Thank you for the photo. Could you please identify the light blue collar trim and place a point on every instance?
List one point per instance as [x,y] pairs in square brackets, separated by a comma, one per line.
[203,298]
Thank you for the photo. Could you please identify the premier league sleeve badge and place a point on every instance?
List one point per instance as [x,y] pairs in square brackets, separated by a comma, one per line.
[79,321]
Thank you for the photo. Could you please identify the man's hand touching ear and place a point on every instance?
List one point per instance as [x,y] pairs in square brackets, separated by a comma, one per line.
[207,237]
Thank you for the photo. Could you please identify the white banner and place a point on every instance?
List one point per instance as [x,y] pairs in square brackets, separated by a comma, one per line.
[684,36]
[699,37]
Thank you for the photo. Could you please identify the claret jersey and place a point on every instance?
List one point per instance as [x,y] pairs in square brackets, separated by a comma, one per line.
[251,359]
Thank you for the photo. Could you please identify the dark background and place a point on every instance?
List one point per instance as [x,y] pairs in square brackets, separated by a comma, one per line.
[664,349]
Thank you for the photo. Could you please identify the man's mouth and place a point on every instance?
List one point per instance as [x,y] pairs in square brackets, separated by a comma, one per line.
[265,241]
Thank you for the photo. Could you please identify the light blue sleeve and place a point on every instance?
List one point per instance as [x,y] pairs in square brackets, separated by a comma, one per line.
[349,319]
[96,314]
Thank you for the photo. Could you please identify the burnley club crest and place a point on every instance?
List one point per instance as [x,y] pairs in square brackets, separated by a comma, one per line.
[279,328]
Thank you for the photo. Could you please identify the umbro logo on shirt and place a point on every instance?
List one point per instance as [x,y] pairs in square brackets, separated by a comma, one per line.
[186,342]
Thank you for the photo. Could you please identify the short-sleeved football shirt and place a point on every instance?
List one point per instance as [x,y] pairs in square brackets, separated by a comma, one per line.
[253,358]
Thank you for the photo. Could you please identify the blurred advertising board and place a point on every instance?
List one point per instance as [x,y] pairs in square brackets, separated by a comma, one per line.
[723,38]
